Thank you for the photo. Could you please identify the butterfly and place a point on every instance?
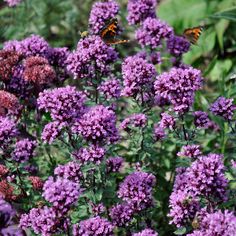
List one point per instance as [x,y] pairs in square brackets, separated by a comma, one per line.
[192,34]
[109,32]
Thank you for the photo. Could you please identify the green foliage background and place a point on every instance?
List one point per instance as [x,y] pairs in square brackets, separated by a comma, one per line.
[60,23]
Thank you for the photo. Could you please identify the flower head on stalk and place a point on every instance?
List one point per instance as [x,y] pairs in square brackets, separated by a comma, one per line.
[152,31]
[91,55]
[223,107]
[139,10]
[102,12]
[138,76]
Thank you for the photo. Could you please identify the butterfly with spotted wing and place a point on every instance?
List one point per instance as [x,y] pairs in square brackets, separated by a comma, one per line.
[109,32]
[193,34]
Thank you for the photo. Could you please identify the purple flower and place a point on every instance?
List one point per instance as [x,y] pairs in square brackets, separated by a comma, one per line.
[34,45]
[146,232]
[218,224]
[110,88]
[207,177]
[24,150]
[121,214]
[94,154]
[134,120]
[152,31]
[98,124]
[64,104]
[45,221]
[52,131]
[6,213]
[138,75]
[7,226]
[223,107]
[158,132]
[201,119]
[139,10]
[178,85]
[233,164]
[183,207]
[167,121]
[181,179]
[102,12]
[177,45]
[191,151]
[97,209]
[71,171]
[90,56]
[95,226]
[12,3]
[8,131]
[58,56]
[137,189]
[114,164]
[62,193]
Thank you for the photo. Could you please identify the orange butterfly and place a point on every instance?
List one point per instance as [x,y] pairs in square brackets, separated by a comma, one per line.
[192,34]
[109,32]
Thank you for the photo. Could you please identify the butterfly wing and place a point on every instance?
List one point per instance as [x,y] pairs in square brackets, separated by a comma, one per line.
[109,32]
[192,34]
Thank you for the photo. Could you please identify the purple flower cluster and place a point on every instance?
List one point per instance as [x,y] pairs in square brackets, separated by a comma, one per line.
[122,214]
[90,56]
[43,221]
[158,132]
[178,85]
[134,120]
[146,232]
[110,88]
[58,56]
[204,178]
[24,150]
[97,209]
[98,124]
[183,207]
[64,104]
[95,226]
[191,151]
[52,131]
[13,3]
[62,193]
[100,13]
[218,224]
[137,188]
[201,119]
[138,75]
[167,121]
[6,216]
[139,10]
[152,31]
[207,177]
[32,46]
[114,164]
[223,107]
[71,171]
[177,45]
[8,131]
[93,154]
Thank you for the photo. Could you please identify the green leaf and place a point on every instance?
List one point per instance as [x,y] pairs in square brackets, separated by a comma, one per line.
[229,14]
[180,231]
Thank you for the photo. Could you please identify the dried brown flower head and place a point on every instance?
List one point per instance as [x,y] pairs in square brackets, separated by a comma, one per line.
[36,182]
[38,70]
[8,102]
[8,62]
